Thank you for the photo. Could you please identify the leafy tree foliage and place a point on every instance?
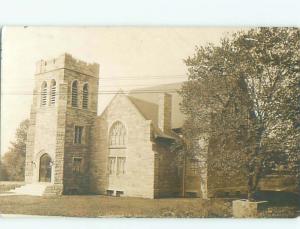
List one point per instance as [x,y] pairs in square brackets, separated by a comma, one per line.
[257,73]
[13,161]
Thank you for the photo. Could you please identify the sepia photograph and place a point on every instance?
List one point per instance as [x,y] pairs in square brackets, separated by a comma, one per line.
[150,122]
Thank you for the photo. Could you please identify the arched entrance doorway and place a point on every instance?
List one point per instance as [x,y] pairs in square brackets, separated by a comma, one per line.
[45,168]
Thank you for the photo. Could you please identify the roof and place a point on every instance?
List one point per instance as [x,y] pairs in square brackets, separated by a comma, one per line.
[158,133]
[146,100]
[148,110]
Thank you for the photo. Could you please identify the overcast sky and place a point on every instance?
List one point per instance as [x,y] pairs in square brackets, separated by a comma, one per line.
[129,57]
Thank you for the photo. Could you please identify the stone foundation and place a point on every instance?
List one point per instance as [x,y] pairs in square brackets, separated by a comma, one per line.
[54,190]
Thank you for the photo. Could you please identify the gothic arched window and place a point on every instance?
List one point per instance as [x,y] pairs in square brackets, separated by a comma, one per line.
[117,135]
[74,94]
[44,94]
[117,151]
[52,92]
[85,96]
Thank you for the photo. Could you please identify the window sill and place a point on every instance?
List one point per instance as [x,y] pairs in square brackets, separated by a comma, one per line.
[79,144]
[117,147]
[80,108]
[117,175]
[47,107]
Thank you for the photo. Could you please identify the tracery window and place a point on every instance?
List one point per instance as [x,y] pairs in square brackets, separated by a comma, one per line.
[117,150]
[117,134]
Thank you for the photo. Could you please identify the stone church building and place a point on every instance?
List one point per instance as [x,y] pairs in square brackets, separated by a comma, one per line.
[125,151]
[70,149]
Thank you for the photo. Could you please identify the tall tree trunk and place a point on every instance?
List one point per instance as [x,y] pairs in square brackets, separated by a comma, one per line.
[253,180]
[255,172]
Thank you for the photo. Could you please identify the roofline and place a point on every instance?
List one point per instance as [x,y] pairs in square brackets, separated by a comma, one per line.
[120,92]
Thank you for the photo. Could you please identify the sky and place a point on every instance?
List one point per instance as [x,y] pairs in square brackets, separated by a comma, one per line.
[129,57]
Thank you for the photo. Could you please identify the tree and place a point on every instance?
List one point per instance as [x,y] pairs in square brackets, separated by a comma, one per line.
[258,72]
[13,161]
[185,148]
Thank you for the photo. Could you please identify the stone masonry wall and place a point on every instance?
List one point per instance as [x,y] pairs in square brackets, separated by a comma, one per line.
[51,127]
[77,116]
[57,188]
[167,180]
[66,61]
[41,135]
[138,180]
[30,141]
[165,112]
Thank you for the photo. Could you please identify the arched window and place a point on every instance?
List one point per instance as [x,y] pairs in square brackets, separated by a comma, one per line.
[44,94]
[85,96]
[117,156]
[52,92]
[117,134]
[75,93]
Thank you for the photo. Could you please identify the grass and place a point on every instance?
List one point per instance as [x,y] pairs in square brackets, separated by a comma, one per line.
[104,206]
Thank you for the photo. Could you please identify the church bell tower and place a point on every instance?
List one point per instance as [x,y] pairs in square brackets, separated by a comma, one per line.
[64,107]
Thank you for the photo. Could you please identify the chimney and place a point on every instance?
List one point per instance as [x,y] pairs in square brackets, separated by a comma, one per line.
[165,112]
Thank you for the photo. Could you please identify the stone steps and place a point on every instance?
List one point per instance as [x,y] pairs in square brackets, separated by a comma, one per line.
[35,189]
[6,186]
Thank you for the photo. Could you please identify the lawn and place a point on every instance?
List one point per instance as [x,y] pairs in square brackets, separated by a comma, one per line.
[104,206]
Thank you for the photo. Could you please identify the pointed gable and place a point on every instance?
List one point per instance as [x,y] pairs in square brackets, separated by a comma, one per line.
[119,98]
